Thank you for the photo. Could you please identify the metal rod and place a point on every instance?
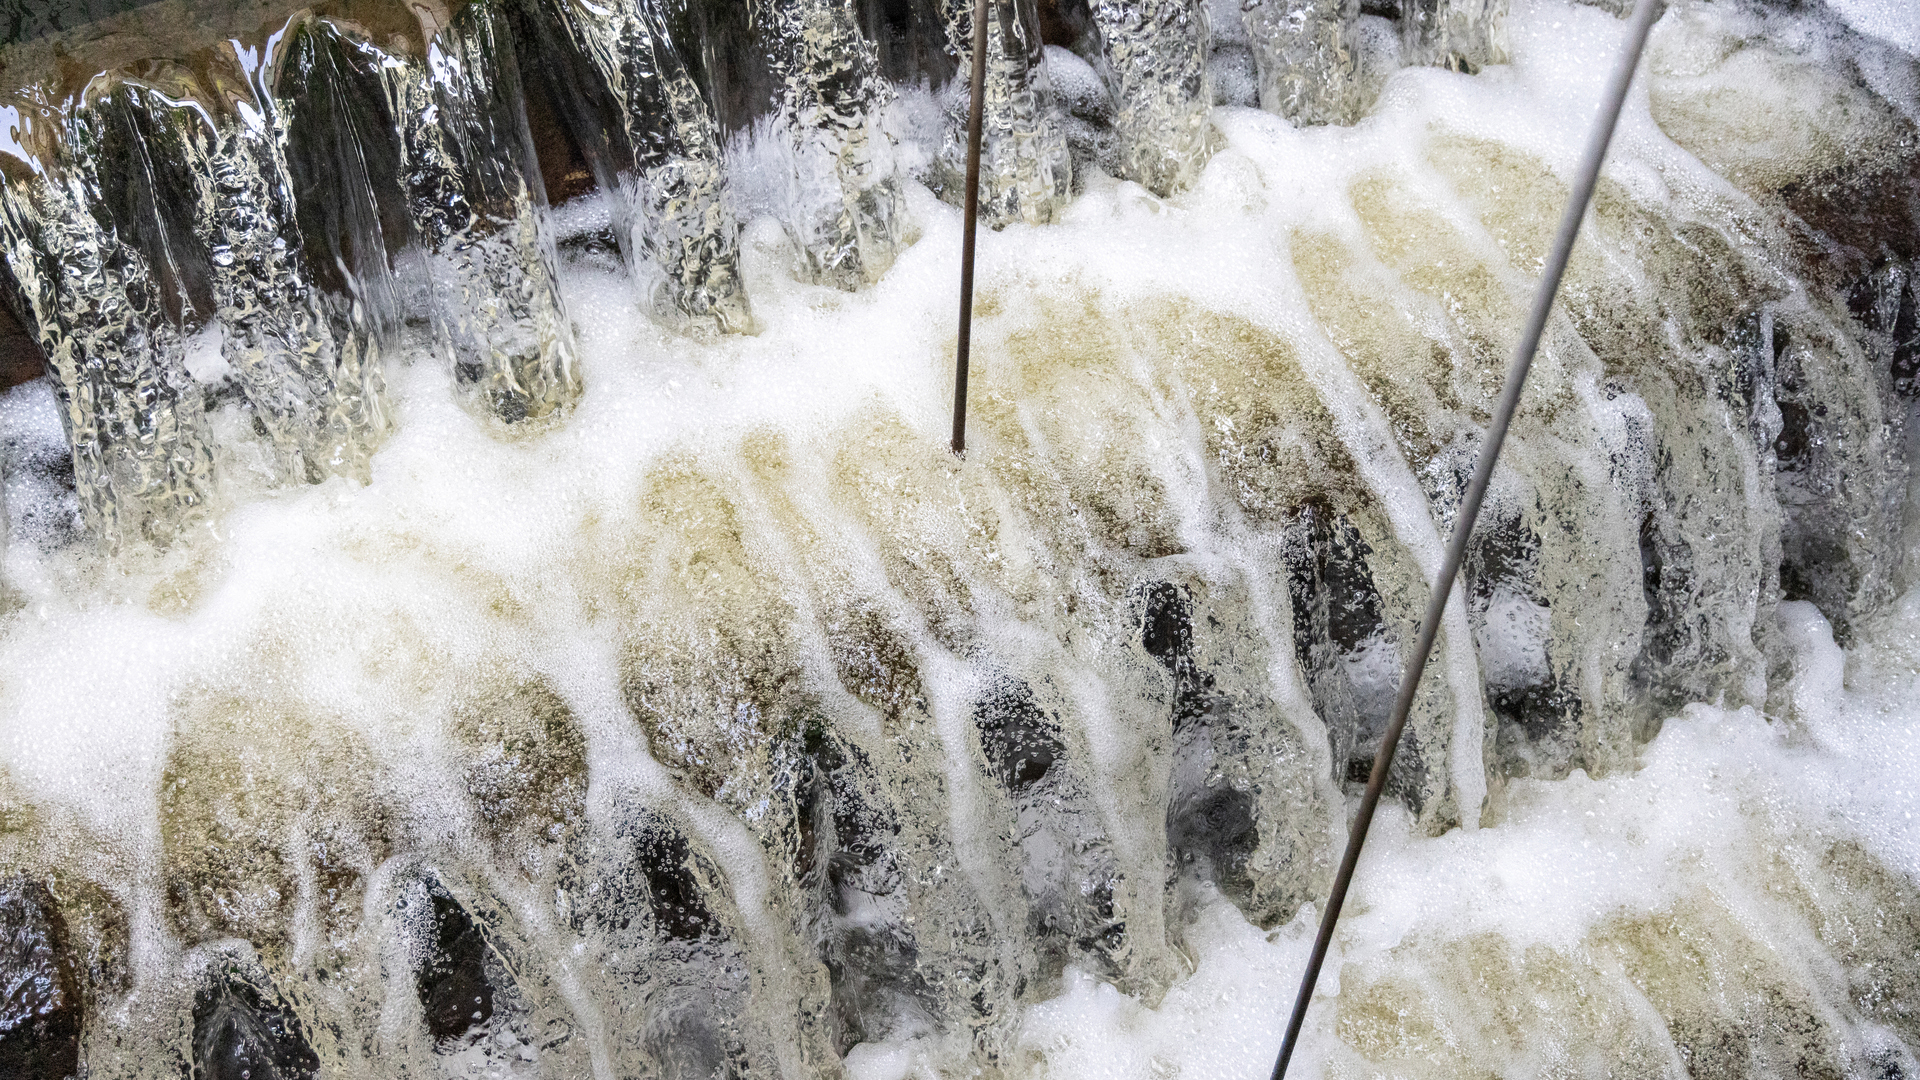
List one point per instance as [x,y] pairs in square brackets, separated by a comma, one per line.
[974,121]
[1640,22]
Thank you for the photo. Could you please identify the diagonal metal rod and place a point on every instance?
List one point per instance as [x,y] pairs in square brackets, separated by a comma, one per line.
[974,118]
[1639,23]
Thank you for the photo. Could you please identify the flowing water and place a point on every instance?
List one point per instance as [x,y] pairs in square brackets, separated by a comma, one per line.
[446,634]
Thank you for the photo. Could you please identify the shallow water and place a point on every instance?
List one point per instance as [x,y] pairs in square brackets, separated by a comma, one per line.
[762,735]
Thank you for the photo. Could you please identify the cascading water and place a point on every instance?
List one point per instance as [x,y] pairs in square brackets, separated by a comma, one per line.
[445,635]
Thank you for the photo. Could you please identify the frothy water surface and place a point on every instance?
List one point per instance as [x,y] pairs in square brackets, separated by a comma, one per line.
[728,726]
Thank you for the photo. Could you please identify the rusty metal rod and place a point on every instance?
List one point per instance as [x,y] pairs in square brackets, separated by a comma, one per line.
[1639,23]
[974,122]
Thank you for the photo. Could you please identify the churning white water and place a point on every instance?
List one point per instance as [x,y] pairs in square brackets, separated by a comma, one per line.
[1523,948]
[509,653]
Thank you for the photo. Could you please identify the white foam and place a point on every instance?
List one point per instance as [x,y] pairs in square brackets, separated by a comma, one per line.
[1896,22]
[367,605]
[1077,86]
[204,359]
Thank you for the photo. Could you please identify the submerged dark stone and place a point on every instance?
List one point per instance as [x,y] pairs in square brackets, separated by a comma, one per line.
[910,40]
[343,156]
[1338,613]
[241,1032]
[454,991]
[680,911]
[1536,713]
[690,1044]
[1065,23]
[20,356]
[1211,830]
[693,981]
[40,1010]
[1167,628]
[1020,741]
[845,863]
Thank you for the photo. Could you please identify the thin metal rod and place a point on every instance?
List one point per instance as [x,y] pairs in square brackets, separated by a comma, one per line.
[1639,24]
[974,121]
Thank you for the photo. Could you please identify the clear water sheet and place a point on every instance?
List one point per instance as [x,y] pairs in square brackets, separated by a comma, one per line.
[843,204]
[473,190]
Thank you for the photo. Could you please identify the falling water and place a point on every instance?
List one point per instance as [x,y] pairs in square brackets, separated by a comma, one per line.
[1026,173]
[473,191]
[139,443]
[845,209]
[448,634]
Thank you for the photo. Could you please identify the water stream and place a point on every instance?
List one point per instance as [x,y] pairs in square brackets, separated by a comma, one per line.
[485,593]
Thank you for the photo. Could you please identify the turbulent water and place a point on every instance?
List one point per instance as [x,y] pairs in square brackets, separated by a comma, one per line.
[482,639]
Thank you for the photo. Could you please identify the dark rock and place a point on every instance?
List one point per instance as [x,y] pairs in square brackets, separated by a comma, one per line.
[1065,23]
[1338,613]
[667,862]
[1020,741]
[20,357]
[910,38]
[564,170]
[847,863]
[1536,714]
[454,991]
[1211,831]
[40,1009]
[241,1032]
[343,154]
